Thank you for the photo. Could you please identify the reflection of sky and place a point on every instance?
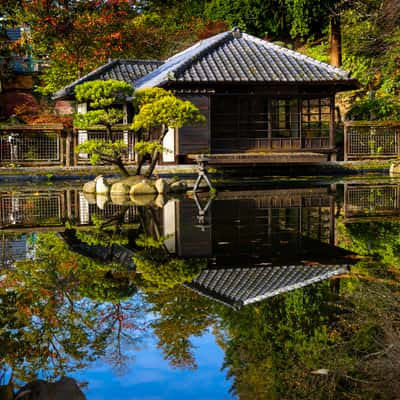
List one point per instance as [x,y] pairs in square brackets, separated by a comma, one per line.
[149,377]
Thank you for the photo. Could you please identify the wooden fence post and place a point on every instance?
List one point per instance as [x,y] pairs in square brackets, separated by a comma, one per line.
[345,141]
[68,143]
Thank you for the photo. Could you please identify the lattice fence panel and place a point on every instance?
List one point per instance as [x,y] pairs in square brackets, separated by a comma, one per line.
[36,146]
[371,200]
[372,141]
[28,209]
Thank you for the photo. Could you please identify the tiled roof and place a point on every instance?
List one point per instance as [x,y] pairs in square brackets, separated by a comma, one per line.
[228,57]
[124,70]
[236,287]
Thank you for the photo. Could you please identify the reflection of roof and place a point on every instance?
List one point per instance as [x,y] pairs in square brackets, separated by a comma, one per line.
[237,57]
[236,287]
[123,70]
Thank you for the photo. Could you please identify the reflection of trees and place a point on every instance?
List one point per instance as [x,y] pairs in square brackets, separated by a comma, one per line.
[379,239]
[271,347]
[159,270]
[62,310]
[180,314]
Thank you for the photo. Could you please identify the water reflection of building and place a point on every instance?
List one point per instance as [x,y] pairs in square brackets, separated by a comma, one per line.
[368,202]
[259,244]
[13,248]
[49,209]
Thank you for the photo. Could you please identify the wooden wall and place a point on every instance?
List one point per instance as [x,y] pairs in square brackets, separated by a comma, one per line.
[195,138]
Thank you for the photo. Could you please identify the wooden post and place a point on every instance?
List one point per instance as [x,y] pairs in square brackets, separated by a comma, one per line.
[332,123]
[345,143]
[75,142]
[68,143]
[61,148]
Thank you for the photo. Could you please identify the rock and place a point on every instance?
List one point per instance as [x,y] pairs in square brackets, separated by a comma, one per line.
[89,187]
[162,186]
[101,201]
[120,199]
[178,187]
[102,187]
[142,199]
[394,168]
[64,389]
[144,187]
[131,180]
[90,197]
[120,188]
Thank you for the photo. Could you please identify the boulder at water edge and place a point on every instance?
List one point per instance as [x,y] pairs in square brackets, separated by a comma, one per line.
[120,188]
[144,187]
[89,187]
[178,187]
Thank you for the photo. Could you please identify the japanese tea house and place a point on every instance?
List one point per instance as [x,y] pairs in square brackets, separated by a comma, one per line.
[263,103]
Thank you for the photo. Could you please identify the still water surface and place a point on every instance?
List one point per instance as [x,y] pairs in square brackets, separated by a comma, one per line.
[271,293]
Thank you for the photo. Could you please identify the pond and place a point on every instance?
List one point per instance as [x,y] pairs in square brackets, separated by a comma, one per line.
[285,290]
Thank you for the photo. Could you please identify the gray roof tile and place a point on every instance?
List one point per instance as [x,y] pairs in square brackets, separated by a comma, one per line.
[123,70]
[224,58]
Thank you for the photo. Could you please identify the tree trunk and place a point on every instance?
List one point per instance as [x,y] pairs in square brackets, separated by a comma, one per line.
[335,51]
[156,154]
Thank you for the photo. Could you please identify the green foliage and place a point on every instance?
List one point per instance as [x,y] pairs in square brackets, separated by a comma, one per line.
[108,117]
[164,110]
[379,239]
[146,96]
[160,270]
[381,108]
[49,310]
[103,93]
[98,150]
[105,232]
[142,147]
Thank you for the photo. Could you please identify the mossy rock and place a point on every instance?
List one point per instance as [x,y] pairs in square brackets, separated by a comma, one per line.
[120,199]
[145,187]
[131,180]
[142,199]
[90,197]
[89,187]
[178,187]
[120,188]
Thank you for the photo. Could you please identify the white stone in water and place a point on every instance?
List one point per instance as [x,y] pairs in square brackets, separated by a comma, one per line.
[101,200]
[161,186]
[102,187]
[89,187]
[144,187]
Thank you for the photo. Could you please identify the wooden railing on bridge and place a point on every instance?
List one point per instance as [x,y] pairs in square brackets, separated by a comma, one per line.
[371,139]
[243,144]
